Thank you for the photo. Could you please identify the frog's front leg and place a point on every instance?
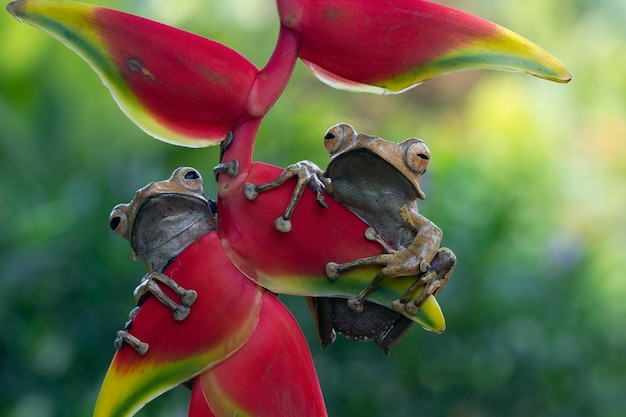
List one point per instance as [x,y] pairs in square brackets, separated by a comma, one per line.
[307,173]
[149,285]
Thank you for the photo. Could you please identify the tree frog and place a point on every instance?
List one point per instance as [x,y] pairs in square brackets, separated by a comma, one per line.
[380,181]
[161,220]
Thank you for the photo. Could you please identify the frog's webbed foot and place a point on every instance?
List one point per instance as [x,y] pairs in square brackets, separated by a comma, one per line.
[431,283]
[149,285]
[307,173]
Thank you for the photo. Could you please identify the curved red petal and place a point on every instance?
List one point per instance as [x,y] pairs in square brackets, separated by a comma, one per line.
[392,45]
[192,85]
[272,375]
[198,406]
[177,86]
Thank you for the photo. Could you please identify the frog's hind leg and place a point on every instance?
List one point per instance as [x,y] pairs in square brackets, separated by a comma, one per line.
[307,173]
[333,270]
[432,283]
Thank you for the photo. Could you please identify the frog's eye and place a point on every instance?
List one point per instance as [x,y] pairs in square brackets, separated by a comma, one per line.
[118,220]
[190,179]
[417,156]
[336,137]
[332,142]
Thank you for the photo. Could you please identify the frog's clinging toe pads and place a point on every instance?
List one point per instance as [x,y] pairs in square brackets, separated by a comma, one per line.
[398,306]
[412,308]
[282,225]
[355,304]
[250,191]
[188,297]
[333,270]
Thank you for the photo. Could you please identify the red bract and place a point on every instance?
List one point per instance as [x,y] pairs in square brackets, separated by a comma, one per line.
[393,45]
[163,78]
[161,64]
[271,375]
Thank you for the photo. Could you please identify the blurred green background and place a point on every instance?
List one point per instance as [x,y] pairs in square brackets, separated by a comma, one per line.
[527,181]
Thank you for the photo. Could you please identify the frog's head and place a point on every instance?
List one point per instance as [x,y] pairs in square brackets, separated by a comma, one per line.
[165,217]
[410,157]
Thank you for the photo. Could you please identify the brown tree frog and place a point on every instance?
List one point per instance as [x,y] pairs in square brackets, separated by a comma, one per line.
[161,220]
[380,181]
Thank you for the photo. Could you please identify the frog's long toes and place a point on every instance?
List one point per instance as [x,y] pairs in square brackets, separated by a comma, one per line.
[355,304]
[282,225]
[398,306]
[189,297]
[250,191]
[332,270]
[125,337]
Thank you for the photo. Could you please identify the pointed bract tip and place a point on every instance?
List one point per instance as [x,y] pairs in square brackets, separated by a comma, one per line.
[14,8]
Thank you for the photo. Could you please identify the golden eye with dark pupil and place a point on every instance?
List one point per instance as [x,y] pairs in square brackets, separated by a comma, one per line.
[190,179]
[332,142]
[417,156]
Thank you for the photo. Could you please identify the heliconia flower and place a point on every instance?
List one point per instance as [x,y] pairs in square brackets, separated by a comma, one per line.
[222,320]
[389,46]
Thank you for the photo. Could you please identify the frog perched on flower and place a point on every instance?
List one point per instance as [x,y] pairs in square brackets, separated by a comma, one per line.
[380,181]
